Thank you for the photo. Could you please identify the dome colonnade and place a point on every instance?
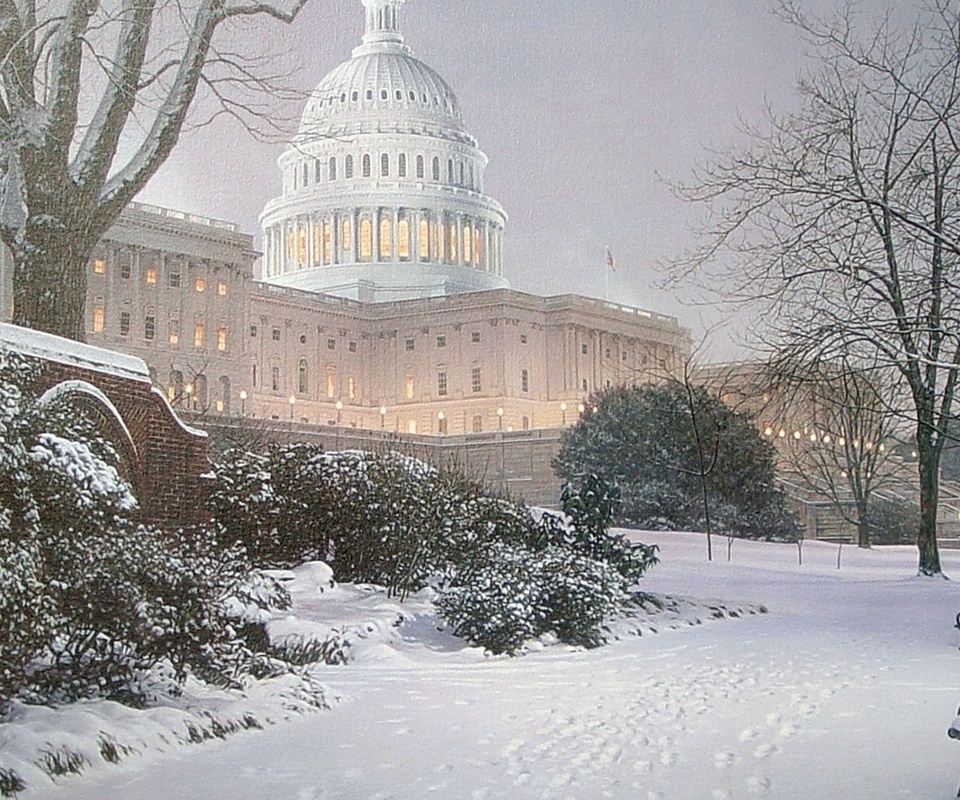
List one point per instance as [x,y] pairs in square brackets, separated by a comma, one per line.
[383,186]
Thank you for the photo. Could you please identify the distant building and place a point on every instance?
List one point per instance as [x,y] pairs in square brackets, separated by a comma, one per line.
[382,301]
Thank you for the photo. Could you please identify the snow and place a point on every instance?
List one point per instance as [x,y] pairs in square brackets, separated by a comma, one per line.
[844,689]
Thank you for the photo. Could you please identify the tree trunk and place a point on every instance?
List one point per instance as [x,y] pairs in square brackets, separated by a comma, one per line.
[863,527]
[929,466]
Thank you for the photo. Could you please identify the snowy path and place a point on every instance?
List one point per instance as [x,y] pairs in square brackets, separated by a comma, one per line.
[844,690]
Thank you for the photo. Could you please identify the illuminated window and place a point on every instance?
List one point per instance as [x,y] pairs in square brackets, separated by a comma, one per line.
[441,241]
[317,244]
[222,289]
[346,234]
[221,339]
[352,388]
[524,380]
[331,384]
[412,426]
[327,243]
[198,335]
[420,167]
[301,244]
[200,285]
[423,239]
[384,165]
[98,319]
[403,239]
[151,276]
[149,327]
[442,384]
[467,244]
[124,323]
[365,168]
[99,266]
[402,165]
[476,245]
[409,387]
[348,167]
[453,243]
[366,238]
[475,382]
[173,331]
[385,238]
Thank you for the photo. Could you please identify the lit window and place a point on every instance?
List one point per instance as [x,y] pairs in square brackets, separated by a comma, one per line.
[409,387]
[221,339]
[346,234]
[99,266]
[331,384]
[423,239]
[476,245]
[475,382]
[468,244]
[352,388]
[151,276]
[149,327]
[453,242]
[475,337]
[301,244]
[409,344]
[98,319]
[173,335]
[124,323]
[327,243]
[442,384]
[200,285]
[441,341]
[198,335]
[524,380]
[403,239]
[412,426]
[366,238]
[441,241]
[222,289]
[385,238]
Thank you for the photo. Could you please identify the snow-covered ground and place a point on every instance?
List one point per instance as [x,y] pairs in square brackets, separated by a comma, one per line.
[844,689]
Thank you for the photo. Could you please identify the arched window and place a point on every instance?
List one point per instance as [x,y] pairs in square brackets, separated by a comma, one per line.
[333,169]
[462,176]
[384,165]
[449,170]
[441,241]
[301,244]
[369,94]
[420,167]
[467,244]
[365,168]
[453,242]
[302,376]
[348,167]
[346,234]
[423,239]
[385,238]
[316,243]
[317,175]
[355,96]
[366,238]
[476,245]
[327,242]
[403,239]
[436,168]
[402,165]
[306,175]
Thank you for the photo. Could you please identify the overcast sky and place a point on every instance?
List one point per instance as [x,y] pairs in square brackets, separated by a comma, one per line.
[586,109]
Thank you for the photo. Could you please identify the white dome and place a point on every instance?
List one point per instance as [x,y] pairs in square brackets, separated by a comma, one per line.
[383,186]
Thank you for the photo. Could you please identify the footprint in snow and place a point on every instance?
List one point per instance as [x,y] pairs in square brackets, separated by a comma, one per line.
[758,785]
[748,735]
[764,751]
[789,729]
[643,767]
[668,758]
[724,760]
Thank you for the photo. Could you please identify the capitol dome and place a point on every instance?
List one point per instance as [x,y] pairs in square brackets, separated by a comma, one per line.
[383,184]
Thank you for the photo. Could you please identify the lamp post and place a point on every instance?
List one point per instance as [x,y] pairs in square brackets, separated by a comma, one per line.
[500,418]
[188,391]
[563,414]
[383,417]
[440,418]
[339,410]
[293,402]
[243,402]
[581,408]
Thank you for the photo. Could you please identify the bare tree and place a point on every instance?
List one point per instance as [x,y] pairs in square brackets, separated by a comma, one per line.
[80,82]
[840,437]
[843,218]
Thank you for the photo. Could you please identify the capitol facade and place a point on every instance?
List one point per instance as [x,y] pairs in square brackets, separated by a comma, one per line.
[377,298]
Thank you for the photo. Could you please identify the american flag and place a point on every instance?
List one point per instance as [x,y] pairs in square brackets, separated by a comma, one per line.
[611,261]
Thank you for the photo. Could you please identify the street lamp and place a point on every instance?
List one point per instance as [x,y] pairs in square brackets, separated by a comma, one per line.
[440,418]
[581,408]
[500,417]
[383,416]
[563,413]
[339,410]
[293,402]
[243,402]
[188,391]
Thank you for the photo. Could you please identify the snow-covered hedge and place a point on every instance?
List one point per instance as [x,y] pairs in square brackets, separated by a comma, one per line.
[92,603]
[503,575]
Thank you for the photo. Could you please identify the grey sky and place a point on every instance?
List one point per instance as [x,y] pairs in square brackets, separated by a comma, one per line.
[581,107]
